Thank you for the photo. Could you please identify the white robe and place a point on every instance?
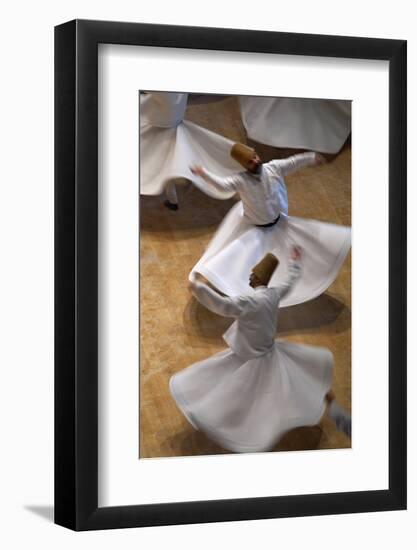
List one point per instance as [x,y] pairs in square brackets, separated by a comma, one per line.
[248,396]
[238,245]
[315,124]
[263,194]
[169,145]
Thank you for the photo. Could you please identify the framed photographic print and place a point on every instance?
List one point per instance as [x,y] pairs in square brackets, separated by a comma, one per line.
[230,275]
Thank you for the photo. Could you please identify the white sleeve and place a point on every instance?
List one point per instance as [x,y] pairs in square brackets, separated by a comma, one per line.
[294,274]
[291,164]
[222,305]
[220,184]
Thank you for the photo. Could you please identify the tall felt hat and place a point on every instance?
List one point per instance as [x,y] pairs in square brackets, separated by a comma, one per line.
[265,268]
[242,154]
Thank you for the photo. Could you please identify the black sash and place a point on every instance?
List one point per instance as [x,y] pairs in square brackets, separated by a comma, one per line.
[269,224]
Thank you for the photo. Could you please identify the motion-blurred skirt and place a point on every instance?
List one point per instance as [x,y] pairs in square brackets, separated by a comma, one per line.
[248,405]
[238,245]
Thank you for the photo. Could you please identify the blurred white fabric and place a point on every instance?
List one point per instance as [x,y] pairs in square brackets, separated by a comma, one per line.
[169,145]
[238,245]
[316,124]
[246,397]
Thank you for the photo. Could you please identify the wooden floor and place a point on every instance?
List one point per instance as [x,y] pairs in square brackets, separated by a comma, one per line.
[175,331]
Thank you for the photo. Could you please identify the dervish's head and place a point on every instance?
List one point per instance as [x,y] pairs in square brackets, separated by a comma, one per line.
[246,156]
[262,272]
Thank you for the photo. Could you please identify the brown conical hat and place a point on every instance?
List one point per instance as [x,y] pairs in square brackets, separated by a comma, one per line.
[265,268]
[242,154]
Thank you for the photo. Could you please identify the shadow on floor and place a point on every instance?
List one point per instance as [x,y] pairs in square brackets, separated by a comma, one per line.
[45,512]
[186,442]
[325,310]
[156,218]
[306,438]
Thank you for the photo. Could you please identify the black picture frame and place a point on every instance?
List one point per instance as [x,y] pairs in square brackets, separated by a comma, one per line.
[76,272]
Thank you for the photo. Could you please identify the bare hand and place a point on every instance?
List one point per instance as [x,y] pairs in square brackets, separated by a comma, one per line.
[320,159]
[296,253]
[197,170]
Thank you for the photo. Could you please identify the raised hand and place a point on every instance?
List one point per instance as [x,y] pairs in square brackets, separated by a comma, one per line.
[320,159]
[197,170]
[296,253]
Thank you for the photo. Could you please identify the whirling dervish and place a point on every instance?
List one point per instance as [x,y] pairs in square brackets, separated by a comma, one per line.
[289,122]
[247,397]
[259,224]
[169,144]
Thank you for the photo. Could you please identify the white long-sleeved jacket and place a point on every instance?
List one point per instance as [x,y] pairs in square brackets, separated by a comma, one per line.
[263,195]
[253,332]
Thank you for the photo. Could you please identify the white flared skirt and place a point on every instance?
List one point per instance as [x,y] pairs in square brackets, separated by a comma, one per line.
[238,246]
[316,124]
[168,153]
[248,405]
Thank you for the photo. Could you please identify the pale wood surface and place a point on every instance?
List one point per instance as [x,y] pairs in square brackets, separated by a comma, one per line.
[175,331]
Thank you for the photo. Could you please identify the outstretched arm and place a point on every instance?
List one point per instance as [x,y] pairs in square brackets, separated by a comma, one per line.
[220,184]
[296,162]
[294,273]
[222,305]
